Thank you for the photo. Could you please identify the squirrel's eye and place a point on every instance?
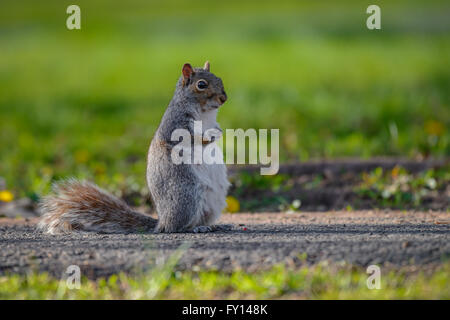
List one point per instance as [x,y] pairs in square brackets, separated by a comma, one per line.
[202,85]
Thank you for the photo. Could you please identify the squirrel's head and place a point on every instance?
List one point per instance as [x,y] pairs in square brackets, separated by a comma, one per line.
[203,86]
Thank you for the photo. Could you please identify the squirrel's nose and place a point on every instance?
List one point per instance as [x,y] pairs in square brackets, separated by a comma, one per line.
[223,97]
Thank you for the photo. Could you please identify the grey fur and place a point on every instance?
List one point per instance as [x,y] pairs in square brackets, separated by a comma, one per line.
[177,190]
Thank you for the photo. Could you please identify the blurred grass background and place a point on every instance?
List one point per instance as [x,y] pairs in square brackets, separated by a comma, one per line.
[86,102]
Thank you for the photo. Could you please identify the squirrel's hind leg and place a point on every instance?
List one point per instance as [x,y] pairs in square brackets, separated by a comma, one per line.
[222,227]
[213,228]
[202,229]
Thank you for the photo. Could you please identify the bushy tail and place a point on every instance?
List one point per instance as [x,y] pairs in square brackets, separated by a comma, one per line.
[83,206]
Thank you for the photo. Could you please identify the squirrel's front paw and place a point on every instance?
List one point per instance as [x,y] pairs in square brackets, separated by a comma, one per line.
[211,135]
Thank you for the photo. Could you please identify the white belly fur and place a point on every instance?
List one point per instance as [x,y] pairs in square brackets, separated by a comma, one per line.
[214,180]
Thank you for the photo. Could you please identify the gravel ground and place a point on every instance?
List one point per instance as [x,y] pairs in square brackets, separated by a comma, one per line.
[257,242]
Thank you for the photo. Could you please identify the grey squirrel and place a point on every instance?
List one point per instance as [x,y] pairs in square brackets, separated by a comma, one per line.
[187,197]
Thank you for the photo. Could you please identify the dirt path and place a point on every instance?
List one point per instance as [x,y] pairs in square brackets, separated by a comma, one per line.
[257,241]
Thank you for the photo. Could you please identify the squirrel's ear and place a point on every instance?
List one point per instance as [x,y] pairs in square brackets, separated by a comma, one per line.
[187,71]
[206,66]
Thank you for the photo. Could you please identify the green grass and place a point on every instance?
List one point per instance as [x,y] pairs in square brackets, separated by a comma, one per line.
[319,282]
[398,188]
[395,188]
[86,103]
